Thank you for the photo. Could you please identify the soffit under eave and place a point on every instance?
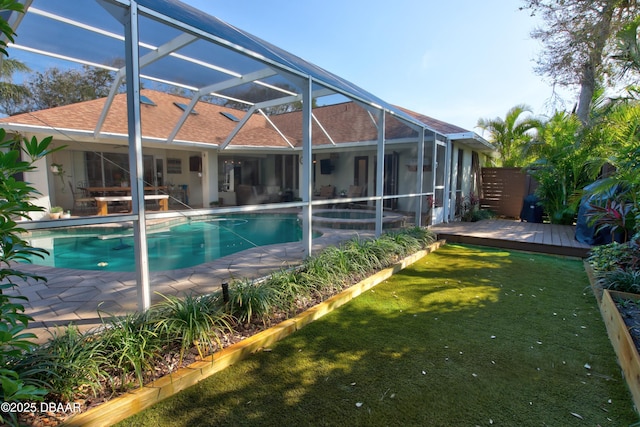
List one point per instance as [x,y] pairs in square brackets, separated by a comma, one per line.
[475,143]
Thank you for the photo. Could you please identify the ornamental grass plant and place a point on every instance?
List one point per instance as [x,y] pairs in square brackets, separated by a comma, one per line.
[192,321]
[131,346]
[70,364]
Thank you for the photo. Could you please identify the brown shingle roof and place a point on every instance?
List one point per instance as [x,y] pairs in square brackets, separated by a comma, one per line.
[208,126]
[435,124]
[345,122]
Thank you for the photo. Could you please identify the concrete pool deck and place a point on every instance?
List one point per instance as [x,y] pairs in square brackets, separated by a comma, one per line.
[74,296]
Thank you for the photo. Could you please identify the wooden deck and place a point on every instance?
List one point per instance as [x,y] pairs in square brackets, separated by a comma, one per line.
[510,234]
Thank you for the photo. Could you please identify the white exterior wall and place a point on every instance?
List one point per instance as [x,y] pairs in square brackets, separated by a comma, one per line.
[468,179]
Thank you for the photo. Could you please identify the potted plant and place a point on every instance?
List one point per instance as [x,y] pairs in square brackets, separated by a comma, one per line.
[66,214]
[55,212]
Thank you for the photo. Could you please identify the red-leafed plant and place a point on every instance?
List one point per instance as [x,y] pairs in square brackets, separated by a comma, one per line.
[616,216]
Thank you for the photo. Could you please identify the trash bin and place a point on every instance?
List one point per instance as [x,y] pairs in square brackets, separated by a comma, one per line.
[531,210]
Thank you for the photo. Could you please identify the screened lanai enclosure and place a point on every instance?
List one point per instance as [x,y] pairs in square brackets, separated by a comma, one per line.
[208,125]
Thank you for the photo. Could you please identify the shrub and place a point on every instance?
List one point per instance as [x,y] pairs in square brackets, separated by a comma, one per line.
[422,234]
[289,288]
[366,255]
[193,321]
[615,255]
[620,280]
[131,346]
[406,242]
[248,300]
[70,364]
[317,273]
[478,215]
[15,204]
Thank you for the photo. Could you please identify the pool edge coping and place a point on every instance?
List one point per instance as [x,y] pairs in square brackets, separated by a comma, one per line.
[136,401]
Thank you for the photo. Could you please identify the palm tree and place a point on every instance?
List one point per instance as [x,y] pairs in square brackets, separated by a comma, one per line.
[563,166]
[12,96]
[628,47]
[511,135]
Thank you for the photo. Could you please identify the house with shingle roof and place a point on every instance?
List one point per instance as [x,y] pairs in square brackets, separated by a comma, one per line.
[201,152]
[210,156]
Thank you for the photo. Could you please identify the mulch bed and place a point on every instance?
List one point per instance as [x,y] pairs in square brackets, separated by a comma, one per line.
[630,312]
[169,362]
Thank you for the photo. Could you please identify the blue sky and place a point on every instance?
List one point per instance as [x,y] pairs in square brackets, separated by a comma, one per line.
[455,60]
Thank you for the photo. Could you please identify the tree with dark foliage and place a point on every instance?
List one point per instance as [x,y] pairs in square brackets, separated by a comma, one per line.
[577,39]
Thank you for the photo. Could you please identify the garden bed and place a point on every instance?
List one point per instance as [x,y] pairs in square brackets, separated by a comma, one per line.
[254,337]
[135,401]
[621,314]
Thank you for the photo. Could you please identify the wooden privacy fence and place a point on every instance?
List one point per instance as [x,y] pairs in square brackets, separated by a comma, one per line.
[504,190]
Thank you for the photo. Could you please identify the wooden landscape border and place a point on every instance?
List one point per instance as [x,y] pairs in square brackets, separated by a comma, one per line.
[618,332]
[135,401]
[621,340]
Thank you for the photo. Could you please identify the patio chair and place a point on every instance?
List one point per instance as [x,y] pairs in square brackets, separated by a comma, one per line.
[81,201]
[354,191]
[327,192]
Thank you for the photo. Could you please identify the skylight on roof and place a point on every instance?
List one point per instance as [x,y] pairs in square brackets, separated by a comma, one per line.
[184,107]
[230,116]
[146,100]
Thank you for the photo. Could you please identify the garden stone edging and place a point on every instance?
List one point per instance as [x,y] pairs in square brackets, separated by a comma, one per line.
[137,400]
[621,341]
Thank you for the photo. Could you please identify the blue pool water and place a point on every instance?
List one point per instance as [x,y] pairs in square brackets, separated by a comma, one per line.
[180,246]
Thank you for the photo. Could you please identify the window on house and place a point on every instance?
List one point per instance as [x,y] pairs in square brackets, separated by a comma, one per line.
[112,169]
[174,166]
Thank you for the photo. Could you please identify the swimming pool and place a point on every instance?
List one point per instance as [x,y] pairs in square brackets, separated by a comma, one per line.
[180,246]
[354,219]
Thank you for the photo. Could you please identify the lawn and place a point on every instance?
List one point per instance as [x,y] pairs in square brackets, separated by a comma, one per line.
[466,336]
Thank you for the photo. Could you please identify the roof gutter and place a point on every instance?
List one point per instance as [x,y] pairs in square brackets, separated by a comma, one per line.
[76,135]
[473,136]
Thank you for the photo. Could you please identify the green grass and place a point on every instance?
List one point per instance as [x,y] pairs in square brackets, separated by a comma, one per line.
[466,336]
